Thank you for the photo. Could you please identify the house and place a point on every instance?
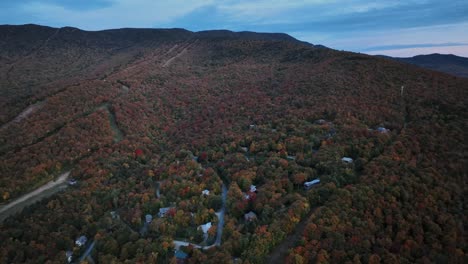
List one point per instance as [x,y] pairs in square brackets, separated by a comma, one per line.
[114,214]
[289,157]
[253,188]
[308,185]
[148,218]
[383,130]
[205,192]
[163,211]
[320,121]
[81,241]
[347,160]
[72,182]
[246,196]
[69,256]
[245,149]
[250,216]
[205,227]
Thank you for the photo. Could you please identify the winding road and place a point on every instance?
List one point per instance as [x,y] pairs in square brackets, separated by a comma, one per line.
[219,233]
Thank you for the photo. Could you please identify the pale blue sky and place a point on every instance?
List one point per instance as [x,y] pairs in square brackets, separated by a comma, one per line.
[396,28]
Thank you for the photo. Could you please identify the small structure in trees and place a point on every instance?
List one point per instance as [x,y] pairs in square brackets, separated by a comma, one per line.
[163,211]
[81,241]
[383,130]
[309,184]
[253,188]
[204,228]
[250,216]
[206,192]
[114,214]
[347,160]
[320,122]
[72,182]
[69,256]
[148,218]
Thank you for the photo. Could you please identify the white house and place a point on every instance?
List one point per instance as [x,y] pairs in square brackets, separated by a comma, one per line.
[309,184]
[69,256]
[205,227]
[206,192]
[253,188]
[81,241]
[347,160]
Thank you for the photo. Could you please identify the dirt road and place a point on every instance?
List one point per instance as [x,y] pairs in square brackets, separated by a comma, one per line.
[28,199]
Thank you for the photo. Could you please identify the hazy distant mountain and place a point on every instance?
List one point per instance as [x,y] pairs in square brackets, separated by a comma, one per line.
[451,64]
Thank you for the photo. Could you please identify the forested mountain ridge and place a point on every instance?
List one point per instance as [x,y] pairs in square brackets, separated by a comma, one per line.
[149,119]
[447,63]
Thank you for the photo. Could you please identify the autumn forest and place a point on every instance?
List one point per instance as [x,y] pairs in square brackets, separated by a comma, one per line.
[223,147]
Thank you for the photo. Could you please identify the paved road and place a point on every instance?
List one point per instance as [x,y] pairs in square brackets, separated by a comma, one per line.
[220,215]
[87,252]
[219,233]
[28,199]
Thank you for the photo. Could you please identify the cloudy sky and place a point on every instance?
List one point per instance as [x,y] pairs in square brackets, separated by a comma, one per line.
[396,28]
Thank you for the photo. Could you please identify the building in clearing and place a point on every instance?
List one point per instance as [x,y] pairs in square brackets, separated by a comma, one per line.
[347,160]
[253,188]
[309,184]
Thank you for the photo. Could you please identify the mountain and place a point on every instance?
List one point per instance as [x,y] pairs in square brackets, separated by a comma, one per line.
[147,140]
[449,63]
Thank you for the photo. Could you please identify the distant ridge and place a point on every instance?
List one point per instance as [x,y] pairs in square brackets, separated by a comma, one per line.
[140,34]
[447,63]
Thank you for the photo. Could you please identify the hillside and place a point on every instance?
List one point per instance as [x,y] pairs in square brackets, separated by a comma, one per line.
[149,120]
[450,64]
